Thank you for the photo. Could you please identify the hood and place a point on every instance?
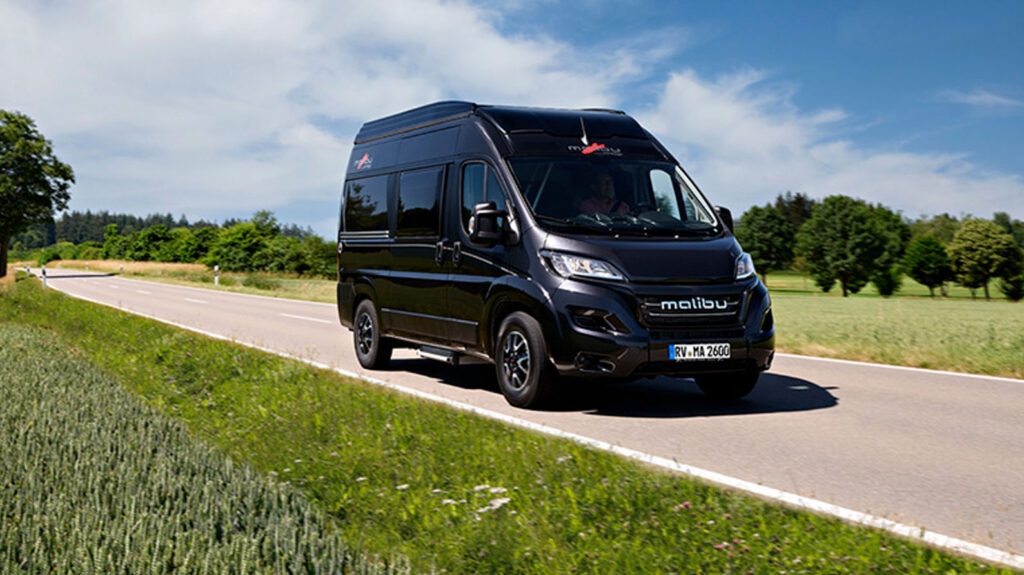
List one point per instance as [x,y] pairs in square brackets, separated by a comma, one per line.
[659,261]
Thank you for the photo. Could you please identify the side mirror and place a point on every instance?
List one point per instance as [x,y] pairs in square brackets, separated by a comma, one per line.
[484,227]
[726,216]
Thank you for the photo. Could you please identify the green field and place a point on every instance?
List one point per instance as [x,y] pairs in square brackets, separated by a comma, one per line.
[93,480]
[958,335]
[452,492]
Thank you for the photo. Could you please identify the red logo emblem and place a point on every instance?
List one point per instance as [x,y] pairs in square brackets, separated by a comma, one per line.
[366,157]
[593,148]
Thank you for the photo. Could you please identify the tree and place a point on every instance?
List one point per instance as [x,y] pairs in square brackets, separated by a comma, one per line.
[895,233]
[767,237]
[795,208]
[942,226]
[1013,227]
[33,182]
[980,251]
[927,262]
[841,242]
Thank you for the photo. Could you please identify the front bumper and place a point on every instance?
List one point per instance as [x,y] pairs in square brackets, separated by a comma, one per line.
[625,346]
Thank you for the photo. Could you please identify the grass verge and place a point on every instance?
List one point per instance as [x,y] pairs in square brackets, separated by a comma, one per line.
[954,335]
[451,491]
[92,480]
[198,275]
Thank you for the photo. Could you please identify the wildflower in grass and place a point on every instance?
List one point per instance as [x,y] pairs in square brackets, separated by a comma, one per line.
[494,504]
[437,490]
[497,490]
[360,479]
[481,487]
[402,486]
[564,458]
[449,502]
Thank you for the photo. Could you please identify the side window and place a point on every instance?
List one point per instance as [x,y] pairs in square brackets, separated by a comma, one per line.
[479,184]
[664,193]
[418,195]
[366,205]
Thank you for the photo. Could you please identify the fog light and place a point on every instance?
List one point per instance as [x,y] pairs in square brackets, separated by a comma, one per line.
[596,320]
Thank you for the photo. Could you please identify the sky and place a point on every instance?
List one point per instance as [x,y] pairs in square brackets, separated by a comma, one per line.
[216,109]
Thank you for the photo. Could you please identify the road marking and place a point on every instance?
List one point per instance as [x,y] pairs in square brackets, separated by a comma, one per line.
[953,544]
[195,300]
[318,320]
[900,367]
[143,292]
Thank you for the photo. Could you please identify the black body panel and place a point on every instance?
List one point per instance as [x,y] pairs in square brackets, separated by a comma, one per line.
[441,289]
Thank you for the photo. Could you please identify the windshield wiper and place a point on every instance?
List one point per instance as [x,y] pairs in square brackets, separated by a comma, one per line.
[575,224]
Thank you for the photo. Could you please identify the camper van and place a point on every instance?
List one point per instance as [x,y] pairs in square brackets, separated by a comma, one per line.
[552,243]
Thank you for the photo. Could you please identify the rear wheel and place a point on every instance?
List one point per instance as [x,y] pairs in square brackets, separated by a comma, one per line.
[372,350]
[524,375]
[728,385]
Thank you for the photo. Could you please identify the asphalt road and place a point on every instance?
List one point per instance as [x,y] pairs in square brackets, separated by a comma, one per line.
[939,451]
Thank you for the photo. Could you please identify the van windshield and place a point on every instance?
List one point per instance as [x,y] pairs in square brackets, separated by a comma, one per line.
[612,195]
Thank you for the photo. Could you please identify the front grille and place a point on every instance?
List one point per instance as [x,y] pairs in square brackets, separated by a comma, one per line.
[691,311]
[697,334]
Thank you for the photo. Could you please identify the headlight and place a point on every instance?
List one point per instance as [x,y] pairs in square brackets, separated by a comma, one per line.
[567,265]
[744,266]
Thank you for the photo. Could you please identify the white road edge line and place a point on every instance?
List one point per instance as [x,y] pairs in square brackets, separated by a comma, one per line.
[196,300]
[953,544]
[143,292]
[316,319]
[901,367]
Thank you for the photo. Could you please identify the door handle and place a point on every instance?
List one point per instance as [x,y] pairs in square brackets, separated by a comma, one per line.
[457,253]
[439,249]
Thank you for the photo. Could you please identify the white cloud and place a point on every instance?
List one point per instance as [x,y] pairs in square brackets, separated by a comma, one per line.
[744,142]
[216,109]
[983,99]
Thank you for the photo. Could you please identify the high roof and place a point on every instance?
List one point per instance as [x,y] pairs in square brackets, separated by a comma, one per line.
[511,120]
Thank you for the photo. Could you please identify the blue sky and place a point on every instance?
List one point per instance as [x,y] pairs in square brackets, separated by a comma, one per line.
[217,109]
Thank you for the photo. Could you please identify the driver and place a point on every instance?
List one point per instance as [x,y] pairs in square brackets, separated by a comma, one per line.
[603,198]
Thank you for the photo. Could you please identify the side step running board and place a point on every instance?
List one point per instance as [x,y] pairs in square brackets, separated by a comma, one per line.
[438,354]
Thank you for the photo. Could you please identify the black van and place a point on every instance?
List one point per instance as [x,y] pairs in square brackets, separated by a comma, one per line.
[549,242]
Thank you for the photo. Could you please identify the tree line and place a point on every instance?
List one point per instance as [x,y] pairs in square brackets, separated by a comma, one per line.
[260,243]
[848,242]
[79,227]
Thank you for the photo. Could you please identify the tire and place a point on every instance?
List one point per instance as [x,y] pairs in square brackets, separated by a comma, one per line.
[372,350]
[728,386]
[524,375]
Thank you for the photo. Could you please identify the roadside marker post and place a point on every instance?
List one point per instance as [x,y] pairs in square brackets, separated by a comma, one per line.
[122,269]
[44,276]
[216,275]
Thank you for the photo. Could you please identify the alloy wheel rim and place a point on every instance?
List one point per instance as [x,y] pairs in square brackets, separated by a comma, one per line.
[516,356]
[364,334]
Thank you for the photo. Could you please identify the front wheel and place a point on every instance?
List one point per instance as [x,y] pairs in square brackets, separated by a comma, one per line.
[728,385]
[372,350]
[524,375]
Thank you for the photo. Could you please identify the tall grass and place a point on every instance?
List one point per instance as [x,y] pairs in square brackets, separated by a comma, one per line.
[451,491]
[92,480]
[957,335]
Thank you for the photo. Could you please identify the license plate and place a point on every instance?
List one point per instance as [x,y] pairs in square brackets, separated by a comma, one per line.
[699,351]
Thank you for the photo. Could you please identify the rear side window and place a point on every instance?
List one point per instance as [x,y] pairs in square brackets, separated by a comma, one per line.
[479,184]
[418,197]
[366,205]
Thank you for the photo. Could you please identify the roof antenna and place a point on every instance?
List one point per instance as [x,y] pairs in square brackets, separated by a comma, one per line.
[584,128]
